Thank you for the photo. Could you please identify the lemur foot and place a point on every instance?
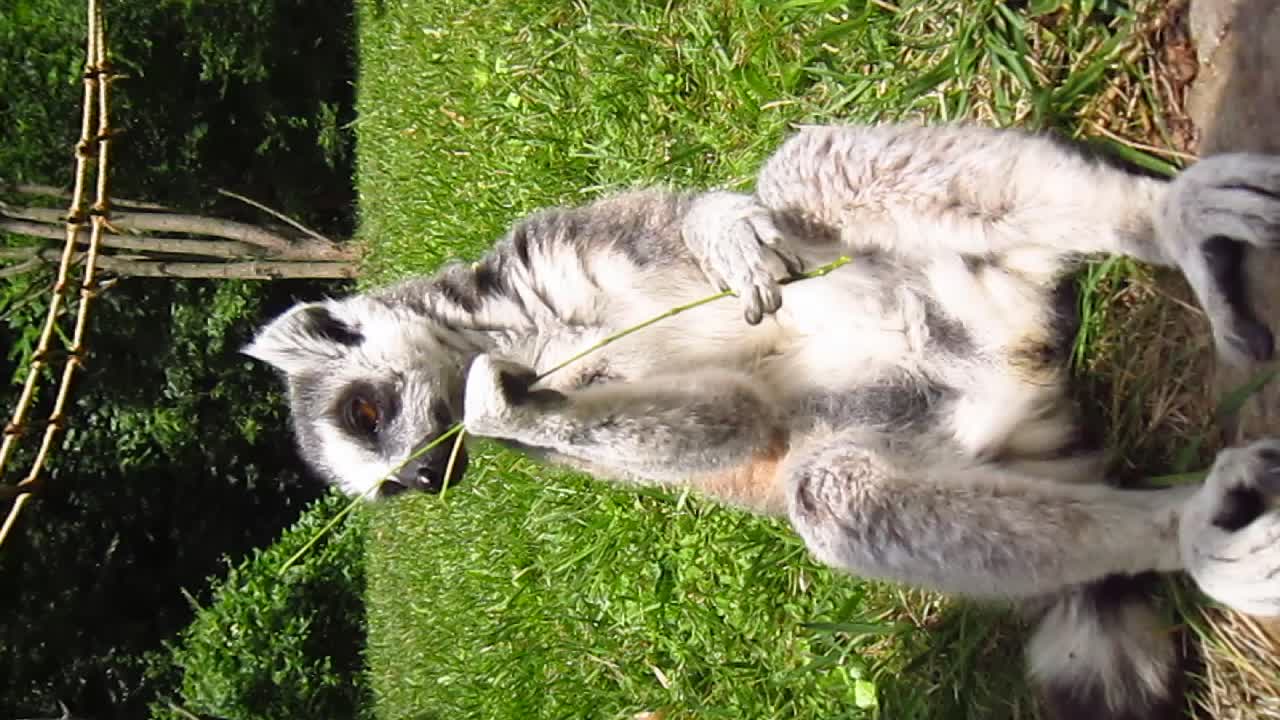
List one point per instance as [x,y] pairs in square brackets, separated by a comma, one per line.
[1213,210]
[739,248]
[1230,530]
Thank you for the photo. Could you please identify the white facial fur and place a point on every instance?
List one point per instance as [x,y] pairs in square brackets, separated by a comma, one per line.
[327,350]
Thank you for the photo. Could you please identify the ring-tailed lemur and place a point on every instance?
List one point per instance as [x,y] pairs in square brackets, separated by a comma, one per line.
[908,412]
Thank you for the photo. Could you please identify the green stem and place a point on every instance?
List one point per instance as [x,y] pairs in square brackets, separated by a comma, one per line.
[816,272]
[453,458]
[351,506]
[333,522]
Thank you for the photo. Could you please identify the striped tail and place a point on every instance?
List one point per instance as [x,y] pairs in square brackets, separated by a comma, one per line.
[1101,652]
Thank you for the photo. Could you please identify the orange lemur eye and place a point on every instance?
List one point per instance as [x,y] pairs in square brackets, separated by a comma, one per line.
[363,415]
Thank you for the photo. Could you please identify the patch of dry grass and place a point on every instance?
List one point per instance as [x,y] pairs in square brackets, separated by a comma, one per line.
[1241,672]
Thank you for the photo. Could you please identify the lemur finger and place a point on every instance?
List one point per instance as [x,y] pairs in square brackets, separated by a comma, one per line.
[1243,337]
[771,237]
[765,229]
[484,401]
[1269,482]
[1249,338]
[717,279]
[791,262]
[770,297]
[754,310]
[1267,476]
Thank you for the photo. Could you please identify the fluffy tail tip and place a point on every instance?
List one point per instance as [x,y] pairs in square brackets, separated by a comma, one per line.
[1101,652]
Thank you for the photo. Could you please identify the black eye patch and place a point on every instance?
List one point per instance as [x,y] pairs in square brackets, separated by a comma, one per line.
[364,410]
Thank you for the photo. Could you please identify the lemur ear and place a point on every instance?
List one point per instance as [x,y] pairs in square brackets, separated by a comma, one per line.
[304,336]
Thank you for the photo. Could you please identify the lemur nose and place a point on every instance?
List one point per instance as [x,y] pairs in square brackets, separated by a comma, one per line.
[426,474]
[416,475]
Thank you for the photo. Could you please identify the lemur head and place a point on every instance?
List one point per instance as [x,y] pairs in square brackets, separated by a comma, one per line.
[369,384]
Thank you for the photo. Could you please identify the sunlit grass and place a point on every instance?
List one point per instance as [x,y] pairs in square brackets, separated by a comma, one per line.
[531,593]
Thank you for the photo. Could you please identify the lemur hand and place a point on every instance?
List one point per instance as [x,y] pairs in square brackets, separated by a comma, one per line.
[739,248]
[497,398]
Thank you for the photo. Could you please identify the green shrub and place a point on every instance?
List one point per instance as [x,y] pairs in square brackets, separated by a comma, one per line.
[278,646]
[176,453]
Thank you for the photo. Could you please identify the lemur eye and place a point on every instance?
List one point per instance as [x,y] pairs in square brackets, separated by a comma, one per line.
[363,415]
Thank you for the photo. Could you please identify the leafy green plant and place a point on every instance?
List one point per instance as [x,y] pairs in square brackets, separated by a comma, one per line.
[176,453]
[272,646]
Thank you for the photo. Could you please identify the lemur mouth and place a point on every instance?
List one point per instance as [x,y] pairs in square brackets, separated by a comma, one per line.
[427,472]
[433,477]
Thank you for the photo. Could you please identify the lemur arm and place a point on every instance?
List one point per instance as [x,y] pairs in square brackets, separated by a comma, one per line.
[923,192]
[711,430]
[971,529]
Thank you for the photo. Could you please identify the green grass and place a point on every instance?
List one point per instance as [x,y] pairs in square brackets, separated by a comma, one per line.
[528,595]
[531,593]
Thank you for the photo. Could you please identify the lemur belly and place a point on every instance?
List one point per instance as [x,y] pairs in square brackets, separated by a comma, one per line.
[756,484]
[870,329]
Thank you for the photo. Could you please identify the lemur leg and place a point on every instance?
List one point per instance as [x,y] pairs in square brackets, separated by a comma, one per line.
[988,193]
[980,531]
[924,190]
[711,430]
